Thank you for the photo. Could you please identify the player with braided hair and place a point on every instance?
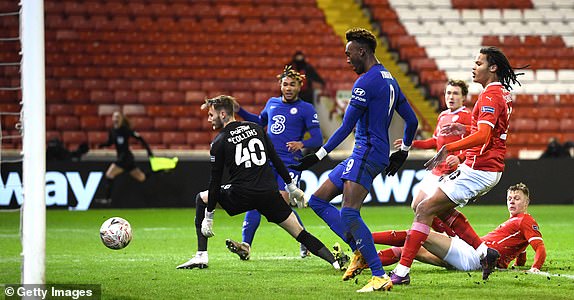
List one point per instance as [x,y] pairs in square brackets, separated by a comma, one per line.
[287,119]
[485,150]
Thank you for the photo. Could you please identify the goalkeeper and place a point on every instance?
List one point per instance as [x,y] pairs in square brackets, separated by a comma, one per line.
[245,150]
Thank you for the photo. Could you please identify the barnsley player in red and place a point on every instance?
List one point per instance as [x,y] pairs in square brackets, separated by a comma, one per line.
[485,150]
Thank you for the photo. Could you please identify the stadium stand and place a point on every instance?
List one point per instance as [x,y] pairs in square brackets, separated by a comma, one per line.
[157,60]
[438,39]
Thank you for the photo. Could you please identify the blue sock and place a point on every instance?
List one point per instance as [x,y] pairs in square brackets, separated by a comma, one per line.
[298,218]
[354,223]
[331,215]
[250,225]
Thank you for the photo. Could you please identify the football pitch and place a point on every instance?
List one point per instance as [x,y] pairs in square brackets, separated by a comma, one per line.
[164,238]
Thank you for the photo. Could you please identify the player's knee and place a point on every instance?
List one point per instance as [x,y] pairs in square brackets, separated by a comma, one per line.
[199,202]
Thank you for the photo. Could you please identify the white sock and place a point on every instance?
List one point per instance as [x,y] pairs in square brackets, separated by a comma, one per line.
[201,253]
[336,265]
[401,270]
[482,250]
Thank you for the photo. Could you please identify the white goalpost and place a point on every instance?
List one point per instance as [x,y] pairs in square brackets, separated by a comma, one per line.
[34,142]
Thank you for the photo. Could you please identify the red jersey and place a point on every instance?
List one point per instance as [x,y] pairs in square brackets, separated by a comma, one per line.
[493,107]
[462,116]
[512,237]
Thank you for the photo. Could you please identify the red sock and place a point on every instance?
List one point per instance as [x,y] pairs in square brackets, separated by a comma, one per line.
[459,224]
[439,226]
[390,237]
[415,239]
[390,256]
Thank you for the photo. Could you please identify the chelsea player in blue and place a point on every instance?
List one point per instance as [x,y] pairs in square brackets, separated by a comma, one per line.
[287,118]
[376,96]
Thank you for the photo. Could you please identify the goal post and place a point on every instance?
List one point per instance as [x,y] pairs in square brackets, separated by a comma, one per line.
[34,142]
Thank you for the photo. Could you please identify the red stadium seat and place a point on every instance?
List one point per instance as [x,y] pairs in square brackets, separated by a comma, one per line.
[141,123]
[165,123]
[57,109]
[522,124]
[92,123]
[97,137]
[190,124]
[85,110]
[67,123]
[547,100]
[567,125]
[524,100]
[199,137]
[174,138]
[544,124]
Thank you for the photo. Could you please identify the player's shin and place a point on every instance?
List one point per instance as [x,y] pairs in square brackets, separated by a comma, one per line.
[354,223]
[390,237]
[415,238]
[332,216]
[316,246]
[250,225]
[390,256]
[199,216]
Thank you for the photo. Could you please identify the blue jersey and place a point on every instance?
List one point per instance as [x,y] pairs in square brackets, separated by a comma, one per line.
[375,97]
[288,122]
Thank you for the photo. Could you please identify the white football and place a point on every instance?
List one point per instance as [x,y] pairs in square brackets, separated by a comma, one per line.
[116,233]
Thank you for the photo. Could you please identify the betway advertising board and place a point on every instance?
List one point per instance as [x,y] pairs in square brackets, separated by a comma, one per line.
[78,185]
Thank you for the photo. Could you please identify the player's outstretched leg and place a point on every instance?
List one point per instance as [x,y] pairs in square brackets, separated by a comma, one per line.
[317,248]
[332,216]
[250,225]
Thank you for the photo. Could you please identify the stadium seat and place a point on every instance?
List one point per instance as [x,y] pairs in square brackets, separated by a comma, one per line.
[567,125]
[165,123]
[141,123]
[523,125]
[190,124]
[174,138]
[544,124]
[67,123]
[92,122]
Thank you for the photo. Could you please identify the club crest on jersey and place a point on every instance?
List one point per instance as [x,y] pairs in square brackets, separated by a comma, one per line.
[293,111]
[487,109]
[454,118]
[535,227]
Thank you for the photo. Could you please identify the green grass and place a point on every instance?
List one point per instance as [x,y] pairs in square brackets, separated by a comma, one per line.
[164,238]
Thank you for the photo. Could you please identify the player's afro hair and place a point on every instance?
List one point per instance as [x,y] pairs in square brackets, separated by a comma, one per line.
[362,36]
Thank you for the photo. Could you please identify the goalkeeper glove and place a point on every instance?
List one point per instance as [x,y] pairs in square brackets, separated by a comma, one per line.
[296,195]
[207,224]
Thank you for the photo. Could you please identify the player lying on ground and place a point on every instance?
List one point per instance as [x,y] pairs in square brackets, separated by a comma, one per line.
[244,150]
[510,239]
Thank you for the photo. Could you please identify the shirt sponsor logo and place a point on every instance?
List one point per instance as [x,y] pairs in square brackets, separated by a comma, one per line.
[487,109]
[359,92]
[358,98]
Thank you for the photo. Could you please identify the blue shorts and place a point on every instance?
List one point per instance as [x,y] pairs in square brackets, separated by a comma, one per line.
[355,170]
[295,176]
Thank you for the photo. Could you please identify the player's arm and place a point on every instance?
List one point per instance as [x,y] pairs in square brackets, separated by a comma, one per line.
[397,159]
[260,119]
[352,115]
[138,137]
[521,259]
[425,144]
[217,154]
[530,230]
[312,125]
[480,137]
[296,196]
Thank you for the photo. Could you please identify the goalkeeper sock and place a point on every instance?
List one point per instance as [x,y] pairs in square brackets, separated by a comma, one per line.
[199,216]
[315,246]
[390,237]
[390,256]
[354,223]
[250,225]
[415,238]
[459,224]
[331,215]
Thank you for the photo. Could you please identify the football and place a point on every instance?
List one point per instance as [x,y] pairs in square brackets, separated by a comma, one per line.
[116,233]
